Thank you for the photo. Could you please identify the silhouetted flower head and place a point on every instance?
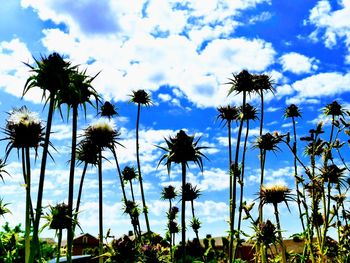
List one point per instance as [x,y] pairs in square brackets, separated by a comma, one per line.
[108,110]
[182,149]
[129,173]
[173,227]
[241,82]
[131,208]
[275,194]
[173,212]
[50,74]
[189,192]
[87,152]
[3,209]
[141,97]
[23,129]
[227,114]
[333,174]
[262,82]
[195,224]
[248,112]
[266,233]
[168,193]
[59,216]
[292,111]
[79,91]
[102,134]
[268,142]
[333,109]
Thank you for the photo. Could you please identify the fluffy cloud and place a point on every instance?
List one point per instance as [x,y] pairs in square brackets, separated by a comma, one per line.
[331,25]
[297,63]
[320,85]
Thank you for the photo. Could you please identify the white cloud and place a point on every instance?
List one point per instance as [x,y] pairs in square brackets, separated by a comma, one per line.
[298,63]
[321,85]
[331,25]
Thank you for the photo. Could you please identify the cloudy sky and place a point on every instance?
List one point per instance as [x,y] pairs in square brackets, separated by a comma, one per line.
[182,53]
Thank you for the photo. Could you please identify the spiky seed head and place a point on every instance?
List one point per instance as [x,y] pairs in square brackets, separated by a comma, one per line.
[262,82]
[60,218]
[248,112]
[3,209]
[292,111]
[108,110]
[227,114]
[195,224]
[173,227]
[87,152]
[173,212]
[182,149]
[333,109]
[129,173]
[267,142]
[189,192]
[24,129]
[241,82]
[267,233]
[50,74]
[131,208]
[332,174]
[102,134]
[168,193]
[141,97]
[275,194]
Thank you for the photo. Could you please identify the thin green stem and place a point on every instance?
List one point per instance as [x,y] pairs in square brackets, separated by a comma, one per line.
[36,247]
[100,206]
[79,196]
[145,209]
[59,242]
[28,202]
[183,213]
[70,233]
[283,248]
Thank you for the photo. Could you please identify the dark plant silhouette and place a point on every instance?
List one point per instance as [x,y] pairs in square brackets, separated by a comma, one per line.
[182,149]
[141,97]
[24,130]
[51,74]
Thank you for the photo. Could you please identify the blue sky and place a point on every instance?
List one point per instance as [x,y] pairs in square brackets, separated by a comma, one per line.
[182,52]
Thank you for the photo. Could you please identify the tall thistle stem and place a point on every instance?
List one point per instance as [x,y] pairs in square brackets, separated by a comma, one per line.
[183,213]
[79,195]
[234,186]
[145,209]
[28,205]
[70,230]
[36,246]
[283,248]
[100,205]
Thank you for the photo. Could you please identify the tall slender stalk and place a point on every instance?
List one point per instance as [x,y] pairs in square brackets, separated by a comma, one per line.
[183,213]
[145,209]
[70,230]
[28,205]
[38,213]
[283,247]
[100,207]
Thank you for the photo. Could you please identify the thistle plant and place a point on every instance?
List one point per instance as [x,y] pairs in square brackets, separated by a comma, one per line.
[129,174]
[190,194]
[240,83]
[58,218]
[293,112]
[86,153]
[227,115]
[182,149]
[79,92]
[51,74]
[108,110]
[3,208]
[24,130]
[141,97]
[274,195]
[169,193]
[103,136]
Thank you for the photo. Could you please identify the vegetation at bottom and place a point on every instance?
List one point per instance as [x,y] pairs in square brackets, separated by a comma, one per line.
[321,178]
